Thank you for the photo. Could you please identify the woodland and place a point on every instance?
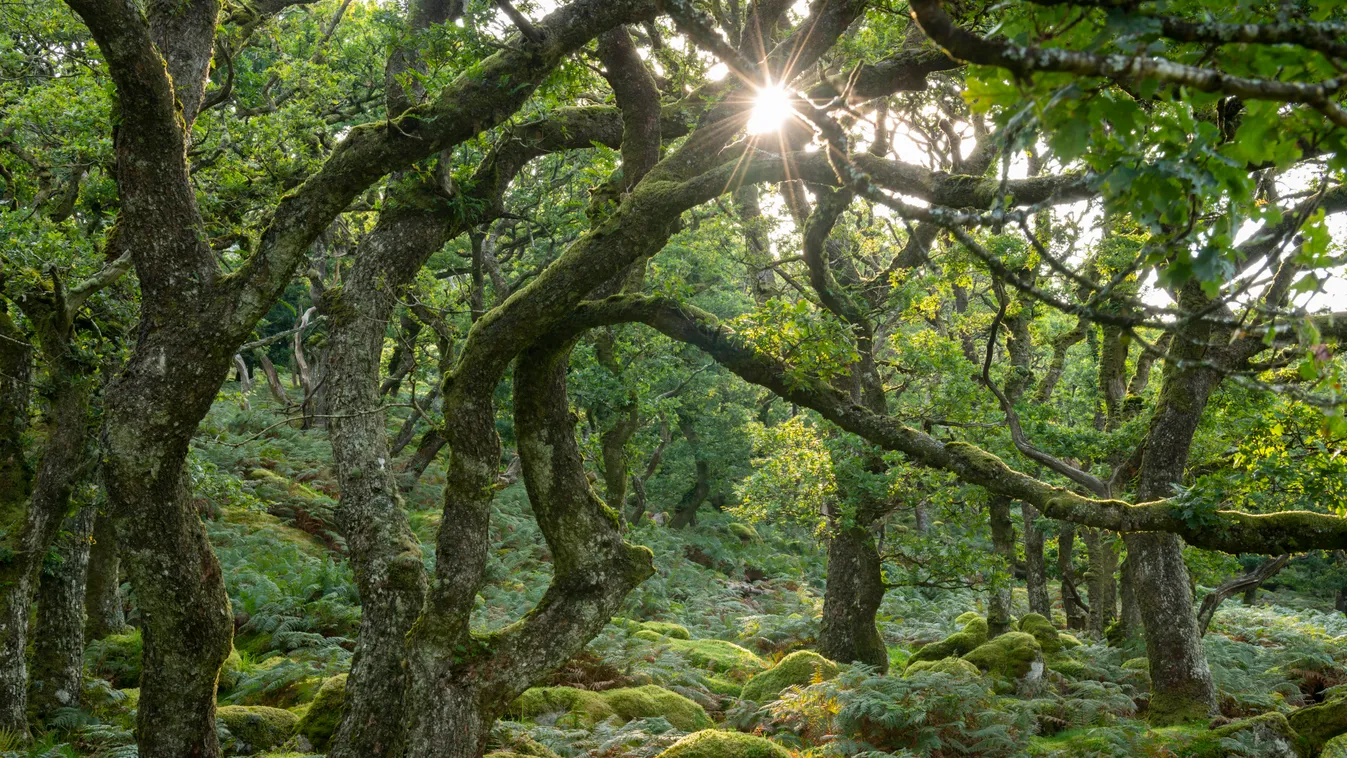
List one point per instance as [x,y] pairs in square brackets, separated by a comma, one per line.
[673,378]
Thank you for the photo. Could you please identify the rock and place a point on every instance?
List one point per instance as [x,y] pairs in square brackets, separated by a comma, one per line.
[1049,639]
[797,669]
[744,532]
[964,619]
[1013,655]
[583,708]
[255,728]
[667,629]
[714,743]
[651,701]
[321,720]
[1317,724]
[974,633]
[232,671]
[1335,748]
[575,707]
[955,666]
[1274,732]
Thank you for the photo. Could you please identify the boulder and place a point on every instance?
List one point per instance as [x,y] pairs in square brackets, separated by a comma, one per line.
[797,669]
[714,743]
[1013,655]
[323,717]
[974,633]
[955,666]
[255,728]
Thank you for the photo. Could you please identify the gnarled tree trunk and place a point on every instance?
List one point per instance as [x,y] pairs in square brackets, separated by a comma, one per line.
[999,613]
[855,590]
[102,595]
[58,650]
[1035,568]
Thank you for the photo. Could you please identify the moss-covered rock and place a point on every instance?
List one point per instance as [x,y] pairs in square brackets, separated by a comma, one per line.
[1274,733]
[574,707]
[1066,666]
[232,671]
[667,629]
[1317,724]
[323,716]
[255,728]
[722,686]
[116,658]
[955,666]
[714,743]
[974,633]
[1335,748]
[736,662]
[651,701]
[1013,655]
[648,635]
[1049,639]
[744,533]
[582,708]
[797,669]
[967,617]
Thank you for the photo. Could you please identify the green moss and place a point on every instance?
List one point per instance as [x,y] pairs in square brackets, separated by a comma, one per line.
[1137,664]
[232,671]
[955,666]
[323,715]
[1069,640]
[1067,666]
[1320,723]
[667,629]
[744,533]
[650,701]
[797,669]
[1010,656]
[116,658]
[1047,635]
[964,619]
[1273,731]
[582,708]
[256,727]
[1335,748]
[717,744]
[648,635]
[722,686]
[719,655]
[974,633]
[576,707]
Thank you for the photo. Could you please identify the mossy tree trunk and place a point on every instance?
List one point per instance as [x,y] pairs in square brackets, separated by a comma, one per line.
[58,649]
[1102,586]
[16,360]
[1000,615]
[854,592]
[1066,569]
[103,607]
[1035,567]
[460,682]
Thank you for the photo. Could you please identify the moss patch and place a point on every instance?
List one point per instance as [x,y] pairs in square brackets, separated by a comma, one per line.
[323,716]
[256,727]
[667,629]
[974,633]
[717,744]
[744,533]
[1318,724]
[650,701]
[1047,635]
[797,669]
[1010,656]
[955,666]
[579,708]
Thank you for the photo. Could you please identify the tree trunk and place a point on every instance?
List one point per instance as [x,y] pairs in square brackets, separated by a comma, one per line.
[851,600]
[64,455]
[1103,588]
[1248,582]
[384,552]
[460,683]
[432,442]
[58,651]
[16,360]
[102,596]
[1181,688]
[1066,542]
[152,410]
[1000,615]
[1130,619]
[1035,568]
[273,380]
[686,512]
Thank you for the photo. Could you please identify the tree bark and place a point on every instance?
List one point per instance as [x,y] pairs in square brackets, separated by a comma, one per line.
[1103,588]
[1035,568]
[102,596]
[460,683]
[1248,582]
[686,513]
[1130,618]
[1000,615]
[16,360]
[855,590]
[58,650]
[384,552]
[1066,542]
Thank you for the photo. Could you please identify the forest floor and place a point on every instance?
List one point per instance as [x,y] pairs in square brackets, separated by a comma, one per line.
[728,603]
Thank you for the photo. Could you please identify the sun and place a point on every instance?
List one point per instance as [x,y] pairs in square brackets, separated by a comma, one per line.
[771,108]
